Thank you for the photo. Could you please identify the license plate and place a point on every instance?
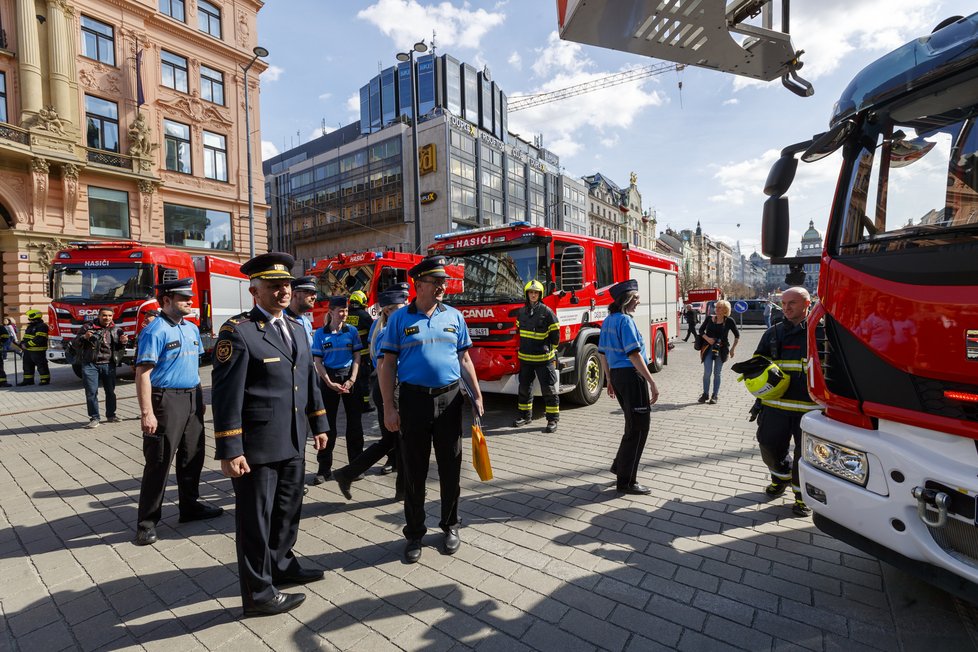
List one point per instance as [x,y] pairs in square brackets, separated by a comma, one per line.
[479,332]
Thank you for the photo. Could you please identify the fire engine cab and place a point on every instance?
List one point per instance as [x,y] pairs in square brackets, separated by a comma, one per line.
[493,264]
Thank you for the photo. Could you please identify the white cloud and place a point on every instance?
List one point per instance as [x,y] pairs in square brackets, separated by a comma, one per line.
[405,21]
[325,96]
[273,73]
[731,101]
[515,60]
[268,150]
[560,56]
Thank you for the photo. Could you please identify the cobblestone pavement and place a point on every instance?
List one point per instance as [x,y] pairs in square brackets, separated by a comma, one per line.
[552,558]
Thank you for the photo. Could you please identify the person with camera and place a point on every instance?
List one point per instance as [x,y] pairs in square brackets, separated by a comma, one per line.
[716,348]
[96,347]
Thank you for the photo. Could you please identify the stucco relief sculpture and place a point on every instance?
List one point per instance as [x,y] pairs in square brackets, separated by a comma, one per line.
[44,252]
[39,191]
[140,146]
[47,119]
[69,180]
[197,110]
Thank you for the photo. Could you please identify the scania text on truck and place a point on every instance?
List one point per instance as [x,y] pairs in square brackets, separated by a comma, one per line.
[121,275]
[889,465]
[370,272]
[494,265]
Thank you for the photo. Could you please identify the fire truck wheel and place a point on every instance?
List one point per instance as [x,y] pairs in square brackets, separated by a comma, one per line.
[77,369]
[590,378]
[658,353]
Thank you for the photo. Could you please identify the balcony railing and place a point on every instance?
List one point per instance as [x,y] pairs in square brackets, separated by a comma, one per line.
[340,226]
[16,134]
[114,159]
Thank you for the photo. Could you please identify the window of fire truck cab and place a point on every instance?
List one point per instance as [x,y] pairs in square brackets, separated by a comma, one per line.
[497,275]
[345,282]
[914,180]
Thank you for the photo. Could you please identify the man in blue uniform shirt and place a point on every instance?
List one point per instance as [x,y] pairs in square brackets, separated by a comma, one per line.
[266,405]
[302,303]
[426,348]
[171,407]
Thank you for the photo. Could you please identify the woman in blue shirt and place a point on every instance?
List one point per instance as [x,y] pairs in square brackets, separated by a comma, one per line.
[625,363]
[336,355]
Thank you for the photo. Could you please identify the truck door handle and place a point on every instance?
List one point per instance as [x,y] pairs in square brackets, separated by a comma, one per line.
[936,499]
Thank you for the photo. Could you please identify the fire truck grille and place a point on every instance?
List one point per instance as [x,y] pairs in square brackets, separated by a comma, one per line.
[932,399]
[958,539]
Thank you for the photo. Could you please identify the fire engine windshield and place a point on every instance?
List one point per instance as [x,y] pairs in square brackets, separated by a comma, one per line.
[914,178]
[498,275]
[345,281]
[111,284]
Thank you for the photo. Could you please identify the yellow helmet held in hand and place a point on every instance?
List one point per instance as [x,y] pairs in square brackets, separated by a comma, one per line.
[359,297]
[762,378]
[533,286]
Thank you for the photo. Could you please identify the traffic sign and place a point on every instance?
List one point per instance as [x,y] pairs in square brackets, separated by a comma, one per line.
[740,306]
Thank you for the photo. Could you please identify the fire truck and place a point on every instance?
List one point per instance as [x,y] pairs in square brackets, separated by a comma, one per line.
[889,463]
[89,276]
[703,295]
[367,271]
[494,265]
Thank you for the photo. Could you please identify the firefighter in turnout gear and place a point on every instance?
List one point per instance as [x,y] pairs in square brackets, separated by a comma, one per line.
[35,346]
[539,337]
[360,319]
[779,422]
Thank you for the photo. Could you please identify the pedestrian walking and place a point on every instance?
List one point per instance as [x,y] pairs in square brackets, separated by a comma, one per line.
[336,354]
[360,318]
[96,346]
[767,313]
[715,332]
[692,317]
[625,362]
[539,337]
[426,349]
[390,302]
[34,344]
[779,421]
[171,410]
[266,405]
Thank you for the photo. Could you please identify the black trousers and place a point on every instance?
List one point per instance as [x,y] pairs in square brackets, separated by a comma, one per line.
[363,380]
[353,406]
[691,331]
[36,360]
[268,502]
[179,433]
[426,421]
[386,446]
[632,393]
[775,431]
[546,374]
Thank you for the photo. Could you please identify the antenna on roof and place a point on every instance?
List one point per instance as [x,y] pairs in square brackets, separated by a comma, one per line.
[432,42]
[380,65]
[324,126]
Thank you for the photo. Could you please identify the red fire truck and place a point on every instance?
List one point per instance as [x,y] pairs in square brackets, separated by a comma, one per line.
[889,465]
[496,262]
[88,276]
[367,271]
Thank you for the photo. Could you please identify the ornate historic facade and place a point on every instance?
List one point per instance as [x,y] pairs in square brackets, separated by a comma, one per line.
[123,120]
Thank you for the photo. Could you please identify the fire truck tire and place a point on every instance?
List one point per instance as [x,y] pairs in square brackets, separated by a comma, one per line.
[658,352]
[590,377]
[77,369]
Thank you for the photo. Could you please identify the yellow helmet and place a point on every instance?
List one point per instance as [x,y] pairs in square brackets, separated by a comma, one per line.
[764,379]
[34,314]
[359,297]
[533,286]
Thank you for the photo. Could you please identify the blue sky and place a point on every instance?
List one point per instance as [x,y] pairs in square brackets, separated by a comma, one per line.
[701,153]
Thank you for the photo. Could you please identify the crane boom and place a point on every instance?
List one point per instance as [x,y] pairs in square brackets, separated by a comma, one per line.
[520,102]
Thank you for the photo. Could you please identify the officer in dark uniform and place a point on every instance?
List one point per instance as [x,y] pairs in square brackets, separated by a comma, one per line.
[359,317]
[171,407]
[539,337]
[34,343]
[266,404]
[426,348]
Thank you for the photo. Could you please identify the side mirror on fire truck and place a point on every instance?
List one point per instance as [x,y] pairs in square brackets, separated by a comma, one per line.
[774,227]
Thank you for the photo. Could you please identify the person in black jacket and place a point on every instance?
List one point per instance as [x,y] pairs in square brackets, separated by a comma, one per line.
[692,316]
[266,404]
[34,344]
[95,348]
[539,337]
[715,331]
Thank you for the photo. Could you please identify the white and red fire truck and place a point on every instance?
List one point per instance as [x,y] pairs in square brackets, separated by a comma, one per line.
[890,465]
[495,263]
[89,276]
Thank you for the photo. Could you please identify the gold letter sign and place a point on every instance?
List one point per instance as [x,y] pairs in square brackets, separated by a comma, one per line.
[427,160]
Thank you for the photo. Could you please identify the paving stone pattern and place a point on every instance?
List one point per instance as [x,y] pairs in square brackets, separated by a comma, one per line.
[552,558]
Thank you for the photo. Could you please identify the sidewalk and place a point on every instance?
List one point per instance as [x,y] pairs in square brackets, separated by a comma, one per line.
[552,558]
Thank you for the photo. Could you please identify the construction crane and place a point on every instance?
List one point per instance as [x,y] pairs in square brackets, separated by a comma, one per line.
[520,102]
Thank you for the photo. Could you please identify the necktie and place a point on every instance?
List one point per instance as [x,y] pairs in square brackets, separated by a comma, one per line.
[288,341]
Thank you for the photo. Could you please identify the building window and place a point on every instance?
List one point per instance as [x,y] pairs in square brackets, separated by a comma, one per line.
[102,124]
[177,137]
[215,156]
[211,85]
[209,18]
[3,97]
[98,40]
[108,212]
[173,9]
[187,226]
[174,71]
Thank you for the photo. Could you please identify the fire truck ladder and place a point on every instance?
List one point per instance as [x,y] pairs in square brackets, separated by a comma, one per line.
[520,102]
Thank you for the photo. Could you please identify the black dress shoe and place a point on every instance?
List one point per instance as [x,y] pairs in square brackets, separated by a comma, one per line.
[387,469]
[301,576]
[278,605]
[635,489]
[412,552]
[343,482]
[145,537]
[452,541]
[200,512]
[320,478]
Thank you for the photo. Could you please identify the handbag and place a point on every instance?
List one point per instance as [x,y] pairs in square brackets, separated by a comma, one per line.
[699,343]
[480,452]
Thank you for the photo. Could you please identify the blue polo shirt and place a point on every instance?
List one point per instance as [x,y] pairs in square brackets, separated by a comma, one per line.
[173,350]
[375,352]
[336,349]
[305,321]
[427,348]
[619,337]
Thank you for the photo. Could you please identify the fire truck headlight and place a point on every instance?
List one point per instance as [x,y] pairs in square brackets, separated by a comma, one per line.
[56,344]
[846,463]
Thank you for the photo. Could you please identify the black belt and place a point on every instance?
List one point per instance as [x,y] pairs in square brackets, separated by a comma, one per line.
[175,390]
[430,391]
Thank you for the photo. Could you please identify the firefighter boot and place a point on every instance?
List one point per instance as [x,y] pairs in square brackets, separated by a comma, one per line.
[524,419]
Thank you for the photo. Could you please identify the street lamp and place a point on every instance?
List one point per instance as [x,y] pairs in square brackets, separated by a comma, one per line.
[409,56]
[259,52]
